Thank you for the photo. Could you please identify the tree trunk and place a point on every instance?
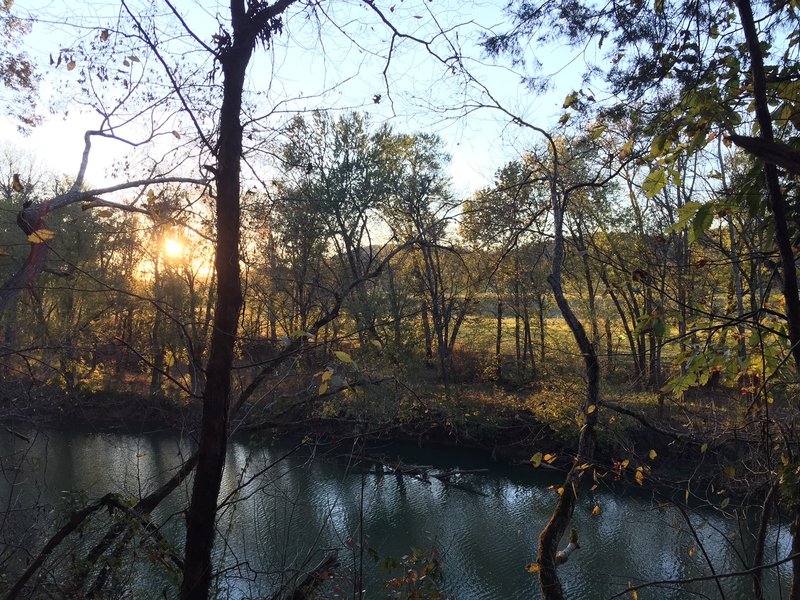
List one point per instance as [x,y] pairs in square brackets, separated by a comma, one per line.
[783,242]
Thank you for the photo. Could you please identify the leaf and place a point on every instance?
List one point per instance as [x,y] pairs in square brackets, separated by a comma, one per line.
[40,236]
[703,219]
[625,463]
[104,213]
[532,568]
[176,134]
[596,510]
[652,454]
[655,181]
[536,460]
[730,472]
[133,58]
[549,458]
[570,100]
[634,595]
[692,551]
[343,356]
[169,359]
[377,344]
[724,504]
[70,65]
[703,448]
[560,491]
[590,409]
[323,387]
[639,476]
[564,118]
[326,375]
[16,184]
[104,35]
[626,150]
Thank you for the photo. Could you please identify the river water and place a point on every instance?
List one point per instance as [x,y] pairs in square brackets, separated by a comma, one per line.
[306,504]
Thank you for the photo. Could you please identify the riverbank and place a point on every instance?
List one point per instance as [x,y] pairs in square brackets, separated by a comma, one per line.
[511,428]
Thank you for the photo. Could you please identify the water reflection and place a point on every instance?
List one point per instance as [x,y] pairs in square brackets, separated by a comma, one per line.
[290,515]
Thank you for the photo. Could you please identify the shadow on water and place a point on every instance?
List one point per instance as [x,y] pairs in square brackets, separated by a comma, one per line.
[288,517]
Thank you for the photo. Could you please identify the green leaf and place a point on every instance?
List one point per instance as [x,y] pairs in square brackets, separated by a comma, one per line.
[702,221]
[570,100]
[536,460]
[655,182]
[343,356]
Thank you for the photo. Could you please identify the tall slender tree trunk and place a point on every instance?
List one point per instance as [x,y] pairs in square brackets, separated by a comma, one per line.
[783,242]
[550,536]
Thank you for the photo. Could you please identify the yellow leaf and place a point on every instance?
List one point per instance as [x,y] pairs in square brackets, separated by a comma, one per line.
[596,510]
[692,551]
[625,463]
[653,454]
[590,409]
[326,375]
[634,595]
[639,476]
[626,150]
[169,359]
[323,387]
[536,460]
[343,356]
[40,236]
[560,491]
[549,458]
[532,568]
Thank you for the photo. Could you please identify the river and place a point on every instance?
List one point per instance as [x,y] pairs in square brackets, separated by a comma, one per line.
[483,529]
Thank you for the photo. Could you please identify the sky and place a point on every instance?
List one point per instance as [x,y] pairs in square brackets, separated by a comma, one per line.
[317,64]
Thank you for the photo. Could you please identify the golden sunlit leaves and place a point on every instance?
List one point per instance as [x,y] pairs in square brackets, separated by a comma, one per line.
[634,595]
[325,381]
[596,510]
[532,568]
[590,409]
[639,475]
[16,184]
[652,454]
[40,236]
[549,458]
[626,150]
[560,491]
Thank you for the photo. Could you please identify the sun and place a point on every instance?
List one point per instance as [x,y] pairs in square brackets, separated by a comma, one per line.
[173,248]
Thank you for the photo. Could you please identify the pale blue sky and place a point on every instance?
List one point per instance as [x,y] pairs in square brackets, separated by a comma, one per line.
[305,65]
